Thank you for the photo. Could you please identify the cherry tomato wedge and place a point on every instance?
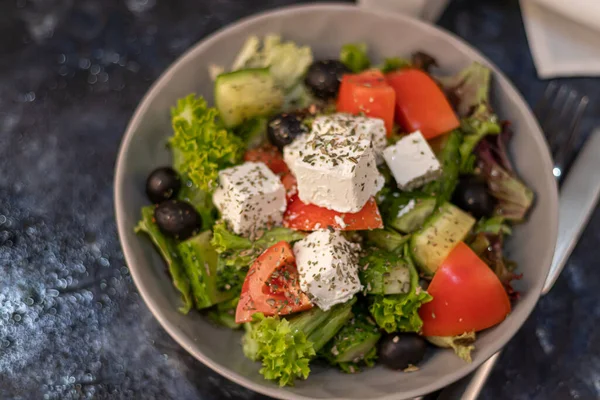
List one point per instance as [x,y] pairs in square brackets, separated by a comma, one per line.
[270,156]
[309,217]
[467,296]
[368,93]
[272,285]
[421,104]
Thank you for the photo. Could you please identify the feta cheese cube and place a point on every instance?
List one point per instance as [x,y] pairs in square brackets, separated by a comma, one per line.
[336,172]
[372,129]
[250,197]
[328,268]
[292,151]
[412,161]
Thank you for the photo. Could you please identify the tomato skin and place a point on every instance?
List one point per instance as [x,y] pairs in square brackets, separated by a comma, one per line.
[467,296]
[309,217]
[270,156]
[421,104]
[266,293]
[368,93]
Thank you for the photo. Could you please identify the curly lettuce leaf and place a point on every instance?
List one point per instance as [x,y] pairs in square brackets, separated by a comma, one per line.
[399,312]
[462,344]
[168,250]
[286,346]
[354,56]
[200,143]
[286,61]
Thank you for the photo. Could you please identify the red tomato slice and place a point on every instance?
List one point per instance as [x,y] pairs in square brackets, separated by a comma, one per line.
[290,183]
[272,285]
[368,93]
[270,156]
[309,217]
[421,104]
[467,296]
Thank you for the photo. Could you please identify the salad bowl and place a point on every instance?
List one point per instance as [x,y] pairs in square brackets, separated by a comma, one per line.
[325,28]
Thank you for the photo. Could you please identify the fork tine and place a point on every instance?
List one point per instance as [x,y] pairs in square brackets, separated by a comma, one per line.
[560,159]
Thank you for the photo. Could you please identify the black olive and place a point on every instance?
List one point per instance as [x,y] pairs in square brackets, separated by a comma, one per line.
[423,61]
[472,195]
[284,128]
[401,350]
[162,184]
[323,78]
[177,219]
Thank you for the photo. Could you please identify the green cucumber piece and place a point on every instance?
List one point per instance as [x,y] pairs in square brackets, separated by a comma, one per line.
[246,94]
[384,273]
[447,227]
[200,259]
[407,220]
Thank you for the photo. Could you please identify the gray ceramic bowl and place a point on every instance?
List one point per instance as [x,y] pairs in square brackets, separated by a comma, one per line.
[325,28]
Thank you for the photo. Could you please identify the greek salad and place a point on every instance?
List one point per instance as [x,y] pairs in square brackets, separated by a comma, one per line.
[338,210]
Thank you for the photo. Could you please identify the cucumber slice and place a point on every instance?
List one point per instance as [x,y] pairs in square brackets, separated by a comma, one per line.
[448,226]
[245,94]
[200,261]
[384,273]
[410,216]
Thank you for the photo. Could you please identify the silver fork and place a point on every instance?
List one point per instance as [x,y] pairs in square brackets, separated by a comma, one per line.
[560,112]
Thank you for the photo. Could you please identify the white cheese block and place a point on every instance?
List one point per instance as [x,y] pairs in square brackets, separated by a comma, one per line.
[250,197]
[412,161]
[372,129]
[336,172]
[328,268]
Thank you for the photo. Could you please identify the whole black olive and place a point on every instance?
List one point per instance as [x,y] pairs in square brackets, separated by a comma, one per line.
[401,350]
[162,184]
[323,78]
[472,195]
[177,219]
[284,128]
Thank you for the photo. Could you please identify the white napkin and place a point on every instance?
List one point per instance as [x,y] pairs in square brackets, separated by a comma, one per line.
[428,10]
[564,36]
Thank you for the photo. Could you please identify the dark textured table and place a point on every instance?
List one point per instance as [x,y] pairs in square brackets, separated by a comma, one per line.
[71,322]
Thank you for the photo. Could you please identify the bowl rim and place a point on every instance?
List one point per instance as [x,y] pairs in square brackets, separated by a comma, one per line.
[188,344]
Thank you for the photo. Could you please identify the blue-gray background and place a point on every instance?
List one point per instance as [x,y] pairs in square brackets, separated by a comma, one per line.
[71,322]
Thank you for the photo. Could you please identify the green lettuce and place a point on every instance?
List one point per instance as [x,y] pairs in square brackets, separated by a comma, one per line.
[393,64]
[286,61]
[399,312]
[354,56]
[237,253]
[462,344]
[450,158]
[168,250]
[201,144]
[224,313]
[355,345]
[286,346]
